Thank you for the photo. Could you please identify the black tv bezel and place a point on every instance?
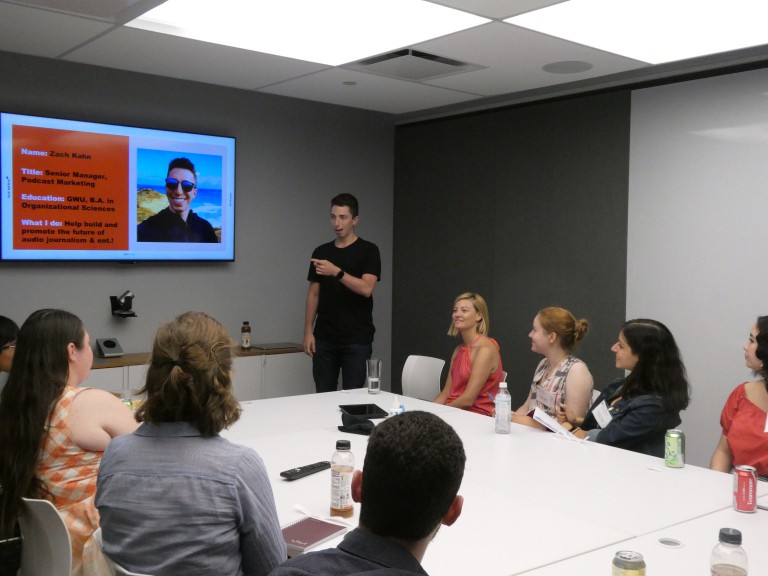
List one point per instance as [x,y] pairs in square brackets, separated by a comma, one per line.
[127,259]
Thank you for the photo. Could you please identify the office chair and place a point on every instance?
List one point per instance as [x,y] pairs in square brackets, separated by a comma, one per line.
[421,377]
[46,547]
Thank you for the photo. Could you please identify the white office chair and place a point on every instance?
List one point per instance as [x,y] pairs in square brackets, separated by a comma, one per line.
[46,548]
[421,377]
[116,569]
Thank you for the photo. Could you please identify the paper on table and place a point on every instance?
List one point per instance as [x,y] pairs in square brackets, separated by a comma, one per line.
[546,420]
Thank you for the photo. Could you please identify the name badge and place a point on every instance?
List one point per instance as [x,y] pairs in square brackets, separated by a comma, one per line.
[602,414]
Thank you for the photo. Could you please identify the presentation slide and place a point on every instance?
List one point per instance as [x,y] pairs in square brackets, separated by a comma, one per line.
[68,189]
[83,191]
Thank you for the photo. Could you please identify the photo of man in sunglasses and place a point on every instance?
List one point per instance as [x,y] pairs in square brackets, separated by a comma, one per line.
[178,222]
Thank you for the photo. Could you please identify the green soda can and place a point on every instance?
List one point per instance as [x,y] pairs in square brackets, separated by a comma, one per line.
[674,449]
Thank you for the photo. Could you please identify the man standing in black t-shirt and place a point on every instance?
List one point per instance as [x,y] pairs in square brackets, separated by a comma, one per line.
[342,276]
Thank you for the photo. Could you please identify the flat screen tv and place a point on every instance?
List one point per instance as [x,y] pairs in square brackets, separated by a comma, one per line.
[83,191]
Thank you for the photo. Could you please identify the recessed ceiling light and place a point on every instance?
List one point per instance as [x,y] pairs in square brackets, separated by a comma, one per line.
[331,32]
[654,31]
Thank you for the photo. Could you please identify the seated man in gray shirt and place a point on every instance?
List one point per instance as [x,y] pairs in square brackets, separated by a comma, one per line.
[408,487]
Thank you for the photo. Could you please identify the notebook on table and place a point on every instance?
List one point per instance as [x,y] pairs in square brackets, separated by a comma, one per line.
[309,532]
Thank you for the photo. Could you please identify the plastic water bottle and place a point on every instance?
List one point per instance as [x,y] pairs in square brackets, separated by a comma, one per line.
[397,407]
[728,557]
[342,467]
[503,410]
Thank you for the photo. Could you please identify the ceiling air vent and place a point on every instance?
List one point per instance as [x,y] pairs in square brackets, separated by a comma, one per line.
[407,64]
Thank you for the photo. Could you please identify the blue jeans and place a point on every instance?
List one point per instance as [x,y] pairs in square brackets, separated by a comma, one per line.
[329,359]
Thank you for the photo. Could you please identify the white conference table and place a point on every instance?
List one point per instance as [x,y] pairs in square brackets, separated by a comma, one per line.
[696,539]
[545,501]
[273,416]
[615,487]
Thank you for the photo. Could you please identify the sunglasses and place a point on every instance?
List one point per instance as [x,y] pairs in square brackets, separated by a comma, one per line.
[8,347]
[173,184]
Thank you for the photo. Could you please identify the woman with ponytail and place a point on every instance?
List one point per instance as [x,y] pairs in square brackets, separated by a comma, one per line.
[174,496]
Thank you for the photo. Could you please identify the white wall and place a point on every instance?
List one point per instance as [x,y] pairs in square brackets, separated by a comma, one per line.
[698,206]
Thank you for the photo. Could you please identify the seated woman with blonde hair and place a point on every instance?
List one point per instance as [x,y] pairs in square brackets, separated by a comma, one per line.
[475,370]
[174,496]
[560,377]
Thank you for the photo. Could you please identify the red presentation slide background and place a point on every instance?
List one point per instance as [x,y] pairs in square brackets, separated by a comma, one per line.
[101,159]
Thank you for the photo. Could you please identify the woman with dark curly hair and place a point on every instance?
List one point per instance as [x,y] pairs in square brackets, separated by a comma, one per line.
[175,497]
[745,415]
[635,412]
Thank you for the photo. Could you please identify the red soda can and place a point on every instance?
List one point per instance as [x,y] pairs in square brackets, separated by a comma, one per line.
[745,489]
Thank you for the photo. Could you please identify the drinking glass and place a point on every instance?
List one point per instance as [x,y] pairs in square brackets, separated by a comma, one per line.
[373,373]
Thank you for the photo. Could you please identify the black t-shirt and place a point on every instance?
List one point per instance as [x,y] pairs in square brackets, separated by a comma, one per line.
[344,317]
[166,226]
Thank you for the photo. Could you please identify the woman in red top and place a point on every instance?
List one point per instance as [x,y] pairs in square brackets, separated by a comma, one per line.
[475,370]
[745,415]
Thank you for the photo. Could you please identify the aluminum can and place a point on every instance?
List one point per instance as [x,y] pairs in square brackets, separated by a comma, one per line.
[674,449]
[745,489]
[628,563]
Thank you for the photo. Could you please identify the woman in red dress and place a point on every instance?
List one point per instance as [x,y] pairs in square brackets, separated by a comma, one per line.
[744,418]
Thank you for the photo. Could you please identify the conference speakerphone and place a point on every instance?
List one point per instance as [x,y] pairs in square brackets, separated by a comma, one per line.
[109,348]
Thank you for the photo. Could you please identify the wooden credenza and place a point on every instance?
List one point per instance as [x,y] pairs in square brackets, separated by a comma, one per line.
[257,373]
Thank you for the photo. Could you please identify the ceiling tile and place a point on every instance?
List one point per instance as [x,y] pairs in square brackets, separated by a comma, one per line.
[497,8]
[164,55]
[514,58]
[102,9]
[43,33]
[371,92]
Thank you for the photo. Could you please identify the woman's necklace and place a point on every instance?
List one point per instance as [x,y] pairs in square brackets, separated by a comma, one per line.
[552,369]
